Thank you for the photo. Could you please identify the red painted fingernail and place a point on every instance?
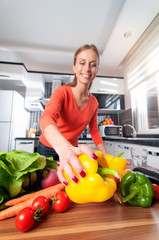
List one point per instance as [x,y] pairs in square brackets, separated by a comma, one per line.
[94,156]
[75,179]
[82,173]
[65,183]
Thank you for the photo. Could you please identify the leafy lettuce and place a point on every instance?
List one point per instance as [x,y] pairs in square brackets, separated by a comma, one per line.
[15,168]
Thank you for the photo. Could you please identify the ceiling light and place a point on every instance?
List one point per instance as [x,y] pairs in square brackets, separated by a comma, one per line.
[127,34]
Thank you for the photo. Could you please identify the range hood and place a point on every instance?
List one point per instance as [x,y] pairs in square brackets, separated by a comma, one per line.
[34,92]
[39,104]
[13,77]
[34,105]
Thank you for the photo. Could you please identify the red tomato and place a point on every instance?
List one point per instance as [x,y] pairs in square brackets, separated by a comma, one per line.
[25,219]
[40,205]
[61,201]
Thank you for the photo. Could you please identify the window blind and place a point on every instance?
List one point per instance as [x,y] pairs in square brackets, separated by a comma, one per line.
[144,61]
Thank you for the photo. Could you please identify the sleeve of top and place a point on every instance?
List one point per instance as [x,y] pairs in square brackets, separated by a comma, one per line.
[93,128]
[52,109]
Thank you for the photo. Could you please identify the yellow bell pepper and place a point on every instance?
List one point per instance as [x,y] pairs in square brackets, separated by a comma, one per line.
[101,159]
[92,188]
[117,163]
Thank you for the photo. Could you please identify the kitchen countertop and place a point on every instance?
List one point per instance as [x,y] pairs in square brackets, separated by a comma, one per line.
[93,221]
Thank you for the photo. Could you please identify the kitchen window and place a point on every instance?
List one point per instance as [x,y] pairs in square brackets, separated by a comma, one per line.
[141,69]
[145,105]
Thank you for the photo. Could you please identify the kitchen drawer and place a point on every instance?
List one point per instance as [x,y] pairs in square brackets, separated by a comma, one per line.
[25,145]
[110,147]
[153,157]
[125,148]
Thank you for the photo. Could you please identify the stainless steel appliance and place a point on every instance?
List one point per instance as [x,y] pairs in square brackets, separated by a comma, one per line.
[111,130]
[129,131]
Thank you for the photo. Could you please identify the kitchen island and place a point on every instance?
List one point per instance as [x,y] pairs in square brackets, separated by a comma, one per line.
[93,221]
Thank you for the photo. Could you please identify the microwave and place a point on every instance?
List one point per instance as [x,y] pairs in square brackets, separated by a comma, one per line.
[111,130]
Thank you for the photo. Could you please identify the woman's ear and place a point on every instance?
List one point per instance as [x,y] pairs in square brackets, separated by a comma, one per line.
[74,68]
[97,70]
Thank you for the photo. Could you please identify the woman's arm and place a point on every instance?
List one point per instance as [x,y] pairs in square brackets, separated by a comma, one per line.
[102,148]
[93,128]
[68,154]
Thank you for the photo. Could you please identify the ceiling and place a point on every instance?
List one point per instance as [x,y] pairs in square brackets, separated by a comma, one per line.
[44,34]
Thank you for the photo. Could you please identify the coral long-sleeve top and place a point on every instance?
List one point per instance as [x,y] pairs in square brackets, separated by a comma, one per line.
[62,110]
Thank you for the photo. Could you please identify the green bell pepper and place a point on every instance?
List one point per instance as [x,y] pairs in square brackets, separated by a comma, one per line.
[136,189]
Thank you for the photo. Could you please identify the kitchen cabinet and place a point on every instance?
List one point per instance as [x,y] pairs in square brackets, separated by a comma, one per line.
[125,148]
[153,156]
[27,145]
[110,147]
[108,85]
[115,147]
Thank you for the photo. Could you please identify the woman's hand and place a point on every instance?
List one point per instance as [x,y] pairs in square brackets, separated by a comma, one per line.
[69,158]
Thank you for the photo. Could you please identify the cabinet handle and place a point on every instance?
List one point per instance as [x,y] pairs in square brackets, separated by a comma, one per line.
[109,144]
[25,143]
[153,153]
[149,152]
[123,147]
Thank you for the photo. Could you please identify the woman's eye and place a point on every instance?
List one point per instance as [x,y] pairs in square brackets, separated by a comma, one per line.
[93,65]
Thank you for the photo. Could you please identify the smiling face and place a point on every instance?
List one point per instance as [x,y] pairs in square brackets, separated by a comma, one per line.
[86,66]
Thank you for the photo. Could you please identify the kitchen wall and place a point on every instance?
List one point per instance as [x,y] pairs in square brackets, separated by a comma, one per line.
[34,121]
[124,117]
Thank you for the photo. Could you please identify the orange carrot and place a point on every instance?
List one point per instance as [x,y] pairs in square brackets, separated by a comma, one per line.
[47,192]
[14,210]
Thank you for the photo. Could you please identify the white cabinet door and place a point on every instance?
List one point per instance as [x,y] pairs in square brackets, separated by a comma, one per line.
[114,148]
[123,147]
[6,105]
[107,85]
[153,156]
[25,145]
[4,136]
[110,147]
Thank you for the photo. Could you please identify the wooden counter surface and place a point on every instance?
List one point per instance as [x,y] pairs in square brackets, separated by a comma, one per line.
[107,220]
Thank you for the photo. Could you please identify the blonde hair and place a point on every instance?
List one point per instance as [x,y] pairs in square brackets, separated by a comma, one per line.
[82,48]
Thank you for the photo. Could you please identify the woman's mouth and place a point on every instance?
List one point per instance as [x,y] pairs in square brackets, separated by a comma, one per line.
[86,75]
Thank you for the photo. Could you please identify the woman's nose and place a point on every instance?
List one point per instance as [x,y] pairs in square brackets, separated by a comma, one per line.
[87,67]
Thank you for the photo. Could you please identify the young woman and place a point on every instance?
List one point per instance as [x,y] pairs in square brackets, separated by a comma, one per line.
[70,109]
